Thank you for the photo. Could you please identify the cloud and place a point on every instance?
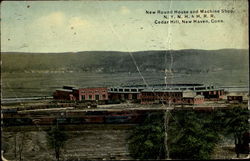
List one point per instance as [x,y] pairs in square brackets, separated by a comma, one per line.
[124,10]
[53,19]
[78,22]
[59,20]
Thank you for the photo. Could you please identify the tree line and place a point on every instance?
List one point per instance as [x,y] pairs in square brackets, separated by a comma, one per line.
[191,134]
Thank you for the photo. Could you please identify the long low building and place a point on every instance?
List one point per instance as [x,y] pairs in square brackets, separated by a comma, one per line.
[152,94]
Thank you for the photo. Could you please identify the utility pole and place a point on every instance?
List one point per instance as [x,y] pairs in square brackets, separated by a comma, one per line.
[168,74]
[166,120]
[15,151]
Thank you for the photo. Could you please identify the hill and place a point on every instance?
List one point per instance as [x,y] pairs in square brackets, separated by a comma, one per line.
[184,61]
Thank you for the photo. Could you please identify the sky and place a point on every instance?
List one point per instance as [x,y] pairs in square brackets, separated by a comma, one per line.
[72,26]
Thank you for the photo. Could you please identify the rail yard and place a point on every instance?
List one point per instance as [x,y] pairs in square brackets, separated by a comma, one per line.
[116,105]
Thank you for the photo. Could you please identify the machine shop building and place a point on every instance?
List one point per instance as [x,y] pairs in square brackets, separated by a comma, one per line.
[91,94]
[81,94]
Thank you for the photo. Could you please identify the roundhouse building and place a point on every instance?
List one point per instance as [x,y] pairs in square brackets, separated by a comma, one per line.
[151,96]
[125,93]
[170,93]
[209,92]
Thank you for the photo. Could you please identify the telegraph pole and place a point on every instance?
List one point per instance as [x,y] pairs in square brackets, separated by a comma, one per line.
[166,120]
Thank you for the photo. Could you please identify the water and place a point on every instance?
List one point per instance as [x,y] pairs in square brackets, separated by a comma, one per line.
[15,85]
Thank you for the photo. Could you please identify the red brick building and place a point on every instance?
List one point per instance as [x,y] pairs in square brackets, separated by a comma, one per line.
[234,99]
[91,94]
[170,96]
[191,97]
[81,94]
[160,96]
[193,100]
[66,93]
[212,94]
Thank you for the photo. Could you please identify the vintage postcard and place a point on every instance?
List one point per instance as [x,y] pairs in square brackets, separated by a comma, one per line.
[124,80]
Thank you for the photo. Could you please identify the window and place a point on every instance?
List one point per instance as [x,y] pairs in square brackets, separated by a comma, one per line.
[134,96]
[97,97]
[126,96]
[90,97]
[120,90]
[103,96]
[83,97]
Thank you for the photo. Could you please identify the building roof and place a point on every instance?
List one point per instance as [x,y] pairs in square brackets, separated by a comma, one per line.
[64,90]
[171,87]
[197,96]
[159,90]
[189,93]
[92,88]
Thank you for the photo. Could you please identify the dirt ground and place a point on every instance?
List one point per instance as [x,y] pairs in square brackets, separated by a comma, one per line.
[90,144]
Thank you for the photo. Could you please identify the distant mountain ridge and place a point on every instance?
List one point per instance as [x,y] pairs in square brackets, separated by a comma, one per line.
[184,61]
